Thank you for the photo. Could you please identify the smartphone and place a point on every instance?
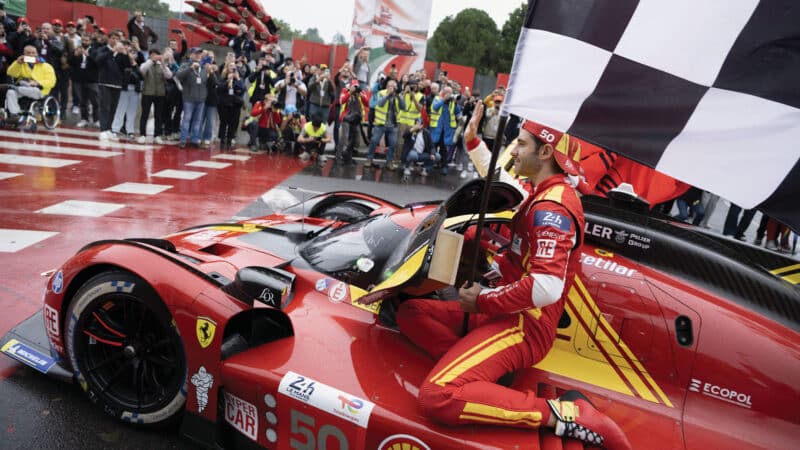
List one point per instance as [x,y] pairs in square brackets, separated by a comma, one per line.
[29,59]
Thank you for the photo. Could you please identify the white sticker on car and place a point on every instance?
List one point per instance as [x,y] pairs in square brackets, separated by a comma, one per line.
[326,398]
[241,415]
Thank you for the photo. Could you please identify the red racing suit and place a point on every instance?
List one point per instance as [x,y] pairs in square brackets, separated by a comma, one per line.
[517,322]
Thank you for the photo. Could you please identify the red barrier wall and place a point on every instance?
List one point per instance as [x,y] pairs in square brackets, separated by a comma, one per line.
[40,11]
[340,55]
[430,69]
[463,74]
[315,53]
[502,80]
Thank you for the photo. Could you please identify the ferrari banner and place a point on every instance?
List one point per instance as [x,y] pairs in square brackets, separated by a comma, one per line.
[395,32]
[715,104]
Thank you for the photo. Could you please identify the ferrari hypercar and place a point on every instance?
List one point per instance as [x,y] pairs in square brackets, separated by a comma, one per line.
[252,336]
[395,45]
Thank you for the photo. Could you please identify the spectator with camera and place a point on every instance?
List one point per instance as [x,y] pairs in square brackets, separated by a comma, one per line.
[83,72]
[491,121]
[178,55]
[291,128]
[174,99]
[290,91]
[230,91]
[444,121]
[263,79]
[313,138]
[7,24]
[407,118]
[34,79]
[144,34]
[154,93]
[212,102]
[193,78]
[361,68]
[321,93]
[265,123]
[112,59]
[243,44]
[387,109]
[128,105]
[22,37]
[419,148]
[354,104]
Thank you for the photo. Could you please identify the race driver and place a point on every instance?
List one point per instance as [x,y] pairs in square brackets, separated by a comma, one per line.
[513,326]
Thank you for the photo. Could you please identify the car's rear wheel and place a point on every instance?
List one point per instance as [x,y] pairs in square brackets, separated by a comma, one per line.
[125,349]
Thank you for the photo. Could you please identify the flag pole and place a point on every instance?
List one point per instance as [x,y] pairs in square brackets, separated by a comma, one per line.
[476,251]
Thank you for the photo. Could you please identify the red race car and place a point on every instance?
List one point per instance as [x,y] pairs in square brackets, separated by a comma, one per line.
[395,45]
[250,334]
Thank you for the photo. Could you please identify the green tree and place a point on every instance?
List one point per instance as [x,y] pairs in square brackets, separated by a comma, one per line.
[339,39]
[469,39]
[152,8]
[285,30]
[509,36]
[312,34]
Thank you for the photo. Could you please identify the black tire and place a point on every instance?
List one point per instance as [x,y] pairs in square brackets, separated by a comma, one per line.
[51,113]
[125,350]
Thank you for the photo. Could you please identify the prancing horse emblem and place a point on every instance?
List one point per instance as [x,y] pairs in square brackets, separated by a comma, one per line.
[205,331]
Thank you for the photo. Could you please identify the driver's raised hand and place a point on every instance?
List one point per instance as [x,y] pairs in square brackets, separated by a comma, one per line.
[471,131]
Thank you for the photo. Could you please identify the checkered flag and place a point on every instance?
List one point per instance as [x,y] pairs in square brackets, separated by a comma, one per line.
[705,91]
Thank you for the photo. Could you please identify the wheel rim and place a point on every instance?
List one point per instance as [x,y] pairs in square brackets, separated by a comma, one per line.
[129,354]
[51,113]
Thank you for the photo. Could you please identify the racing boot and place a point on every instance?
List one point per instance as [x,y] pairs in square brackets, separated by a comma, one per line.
[577,418]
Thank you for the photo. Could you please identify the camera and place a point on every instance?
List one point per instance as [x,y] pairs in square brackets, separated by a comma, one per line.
[291,80]
[29,59]
[277,105]
[296,115]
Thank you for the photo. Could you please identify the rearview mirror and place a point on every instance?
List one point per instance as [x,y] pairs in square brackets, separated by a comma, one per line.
[268,285]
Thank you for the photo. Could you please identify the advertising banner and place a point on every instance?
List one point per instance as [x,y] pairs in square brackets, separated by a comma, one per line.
[394,31]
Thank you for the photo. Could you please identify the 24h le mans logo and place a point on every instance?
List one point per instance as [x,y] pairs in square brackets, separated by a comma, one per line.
[205,331]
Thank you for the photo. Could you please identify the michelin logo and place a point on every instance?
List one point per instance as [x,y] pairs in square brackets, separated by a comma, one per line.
[28,355]
[203,381]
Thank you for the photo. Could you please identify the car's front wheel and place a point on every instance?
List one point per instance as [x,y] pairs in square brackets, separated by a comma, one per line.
[125,349]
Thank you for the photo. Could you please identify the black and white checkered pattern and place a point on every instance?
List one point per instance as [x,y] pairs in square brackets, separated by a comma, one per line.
[705,91]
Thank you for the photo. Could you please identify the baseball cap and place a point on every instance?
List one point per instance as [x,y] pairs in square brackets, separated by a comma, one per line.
[567,149]
[354,83]
[22,19]
[102,30]
[196,50]
[70,24]
[57,22]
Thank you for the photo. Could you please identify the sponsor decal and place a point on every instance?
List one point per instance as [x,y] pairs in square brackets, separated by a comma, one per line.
[551,219]
[402,441]
[620,237]
[204,237]
[550,234]
[203,382]
[516,245]
[338,292]
[58,282]
[546,248]
[205,328]
[721,393]
[28,355]
[326,398]
[268,297]
[241,415]
[51,321]
[607,265]
[606,253]
[324,283]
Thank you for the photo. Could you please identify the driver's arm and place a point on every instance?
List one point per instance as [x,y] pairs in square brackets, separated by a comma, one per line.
[545,250]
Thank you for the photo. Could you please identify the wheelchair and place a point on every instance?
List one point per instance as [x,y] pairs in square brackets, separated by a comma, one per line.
[45,110]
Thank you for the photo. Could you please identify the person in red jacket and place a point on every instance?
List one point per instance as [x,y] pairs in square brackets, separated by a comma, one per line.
[266,126]
[513,326]
[354,106]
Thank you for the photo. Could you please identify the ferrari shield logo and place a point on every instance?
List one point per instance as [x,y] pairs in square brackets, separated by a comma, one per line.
[205,331]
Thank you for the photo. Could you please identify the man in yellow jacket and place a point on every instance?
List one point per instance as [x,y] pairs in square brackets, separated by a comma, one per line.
[34,79]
